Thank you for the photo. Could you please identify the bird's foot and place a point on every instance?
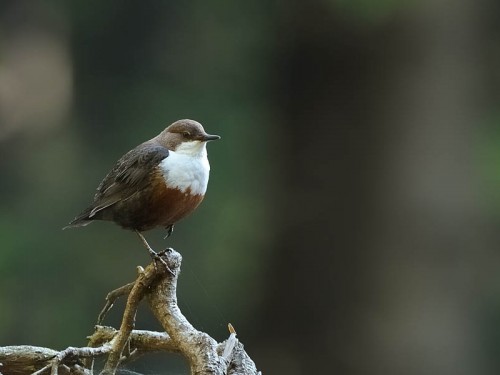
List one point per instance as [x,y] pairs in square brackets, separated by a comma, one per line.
[169,229]
[165,251]
[157,258]
[153,254]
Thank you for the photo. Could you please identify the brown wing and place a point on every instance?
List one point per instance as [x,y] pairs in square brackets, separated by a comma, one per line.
[130,174]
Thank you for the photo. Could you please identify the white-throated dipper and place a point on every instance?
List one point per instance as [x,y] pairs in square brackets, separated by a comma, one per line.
[156,184]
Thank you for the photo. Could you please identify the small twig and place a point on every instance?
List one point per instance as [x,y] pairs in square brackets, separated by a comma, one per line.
[71,356]
[54,369]
[42,369]
[111,299]
[230,343]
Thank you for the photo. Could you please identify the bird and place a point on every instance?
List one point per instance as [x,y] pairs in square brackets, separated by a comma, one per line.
[155,184]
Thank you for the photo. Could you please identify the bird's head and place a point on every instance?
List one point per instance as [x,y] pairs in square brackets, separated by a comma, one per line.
[186,137]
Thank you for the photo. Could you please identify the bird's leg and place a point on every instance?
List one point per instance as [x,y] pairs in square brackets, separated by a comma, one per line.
[169,229]
[154,255]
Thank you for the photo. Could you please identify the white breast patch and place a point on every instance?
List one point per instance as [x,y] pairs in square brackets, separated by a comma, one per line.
[183,172]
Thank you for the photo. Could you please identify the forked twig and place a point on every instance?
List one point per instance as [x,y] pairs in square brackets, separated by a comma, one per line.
[111,299]
[139,289]
[71,356]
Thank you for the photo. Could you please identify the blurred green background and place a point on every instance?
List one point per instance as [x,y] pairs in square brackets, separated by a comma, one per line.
[351,220]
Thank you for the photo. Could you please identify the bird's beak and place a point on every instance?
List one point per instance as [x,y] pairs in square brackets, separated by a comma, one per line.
[209,137]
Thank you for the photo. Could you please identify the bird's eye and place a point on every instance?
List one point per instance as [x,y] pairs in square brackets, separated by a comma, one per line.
[186,134]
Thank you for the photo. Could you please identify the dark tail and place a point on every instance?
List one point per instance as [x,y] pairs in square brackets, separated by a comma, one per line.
[81,220]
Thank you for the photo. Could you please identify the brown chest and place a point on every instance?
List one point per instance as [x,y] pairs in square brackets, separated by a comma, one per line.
[170,205]
[157,205]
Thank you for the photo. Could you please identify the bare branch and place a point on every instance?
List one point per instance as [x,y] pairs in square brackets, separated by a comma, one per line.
[24,359]
[143,282]
[159,285]
[111,298]
[141,340]
[71,356]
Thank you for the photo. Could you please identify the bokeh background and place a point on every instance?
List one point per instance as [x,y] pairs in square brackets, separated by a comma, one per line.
[351,221]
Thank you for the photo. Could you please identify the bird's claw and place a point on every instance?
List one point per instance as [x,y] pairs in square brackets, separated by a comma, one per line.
[169,229]
[157,258]
[165,251]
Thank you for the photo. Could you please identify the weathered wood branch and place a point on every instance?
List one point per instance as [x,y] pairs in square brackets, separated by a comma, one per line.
[24,359]
[198,347]
[158,284]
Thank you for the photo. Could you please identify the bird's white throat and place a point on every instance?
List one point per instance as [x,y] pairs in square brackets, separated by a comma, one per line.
[192,148]
[187,168]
